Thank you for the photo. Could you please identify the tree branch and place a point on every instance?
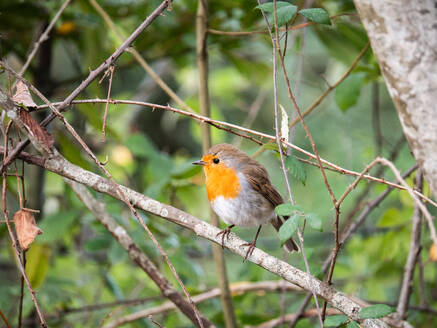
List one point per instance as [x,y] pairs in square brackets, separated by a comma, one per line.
[407,281]
[229,126]
[350,307]
[93,75]
[135,253]
[204,101]
[236,289]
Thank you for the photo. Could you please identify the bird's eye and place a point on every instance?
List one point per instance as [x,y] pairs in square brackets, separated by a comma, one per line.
[216,160]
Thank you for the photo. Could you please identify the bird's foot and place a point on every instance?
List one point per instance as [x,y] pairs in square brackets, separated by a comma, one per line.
[225,233]
[250,249]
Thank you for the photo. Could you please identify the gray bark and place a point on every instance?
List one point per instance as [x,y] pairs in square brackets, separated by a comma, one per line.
[403,35]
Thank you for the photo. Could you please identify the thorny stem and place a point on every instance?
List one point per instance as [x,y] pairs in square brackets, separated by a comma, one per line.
[123,197]
[276,47]
[12,236]
[92,75]
[231,127]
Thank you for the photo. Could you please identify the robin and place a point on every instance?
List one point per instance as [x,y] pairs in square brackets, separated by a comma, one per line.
[240,192]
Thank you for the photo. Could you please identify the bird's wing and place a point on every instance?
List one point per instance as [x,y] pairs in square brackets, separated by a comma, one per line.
[258,178]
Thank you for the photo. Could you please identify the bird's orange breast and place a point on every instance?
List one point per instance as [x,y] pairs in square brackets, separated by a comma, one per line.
[221,181]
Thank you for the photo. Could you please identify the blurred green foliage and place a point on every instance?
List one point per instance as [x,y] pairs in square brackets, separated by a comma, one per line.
[76,262]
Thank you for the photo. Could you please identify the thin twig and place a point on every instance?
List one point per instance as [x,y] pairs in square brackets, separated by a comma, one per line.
[204,101]
[413,254]
[13,239]
[92,75]
[237,288]
[164,86]
[421,282]
[253,112]
[122,195]
[317,102]
[221,124]
[135,253]
[376,118]
[349,230]
[276,47]
[289,28]
[111,74]
[417,202]
[350,307]
[42,38]
[290,317]
[4,319]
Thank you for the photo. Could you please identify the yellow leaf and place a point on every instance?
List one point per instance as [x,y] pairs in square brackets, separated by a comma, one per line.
[433,253]
[37,264]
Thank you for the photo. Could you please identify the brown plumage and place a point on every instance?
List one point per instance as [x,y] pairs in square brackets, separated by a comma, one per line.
[240,191]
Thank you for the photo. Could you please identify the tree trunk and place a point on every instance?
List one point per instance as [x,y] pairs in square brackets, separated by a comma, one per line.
[403,35]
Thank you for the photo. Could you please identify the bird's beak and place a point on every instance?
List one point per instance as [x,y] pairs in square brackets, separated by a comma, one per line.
[199,162]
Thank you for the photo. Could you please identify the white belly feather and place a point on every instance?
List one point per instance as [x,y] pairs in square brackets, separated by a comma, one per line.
[248,209]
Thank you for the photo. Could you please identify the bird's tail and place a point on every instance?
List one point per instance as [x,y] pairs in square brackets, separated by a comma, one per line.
[290,245]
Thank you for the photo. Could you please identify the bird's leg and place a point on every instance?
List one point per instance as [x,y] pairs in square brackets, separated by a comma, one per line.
[251,245]
[225,233]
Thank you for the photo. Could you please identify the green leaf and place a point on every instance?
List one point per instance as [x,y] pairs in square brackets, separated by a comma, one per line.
[284,11]
[391,218]
[287,209]
[140,146]
[57,225]
[317,15]
[314,220]
[348,92]
[352,324]
[335,320]
[288,228]
[185,171]
[271,146]
[375,311]
[296,169]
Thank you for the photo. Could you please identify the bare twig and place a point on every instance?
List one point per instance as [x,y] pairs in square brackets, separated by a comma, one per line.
[140,59]
[229,127]
[317,102]
[407,281]
[253,112]
[92,75]
[43,37]
[52,152]
[276,47]
[11,233]
[111,74]
[349,230]
[236,289]
[421,282]
[61,166]
[376,118]
[290,317]
[204,101]
[417,202]
[289,28]
[135,253]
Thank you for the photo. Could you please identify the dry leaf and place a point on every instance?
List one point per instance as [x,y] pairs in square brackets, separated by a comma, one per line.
[43,137]
[26,228]
[22,96]
[433,253]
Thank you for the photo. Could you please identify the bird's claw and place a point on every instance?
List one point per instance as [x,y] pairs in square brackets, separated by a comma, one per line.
[250,250]
[225,233]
